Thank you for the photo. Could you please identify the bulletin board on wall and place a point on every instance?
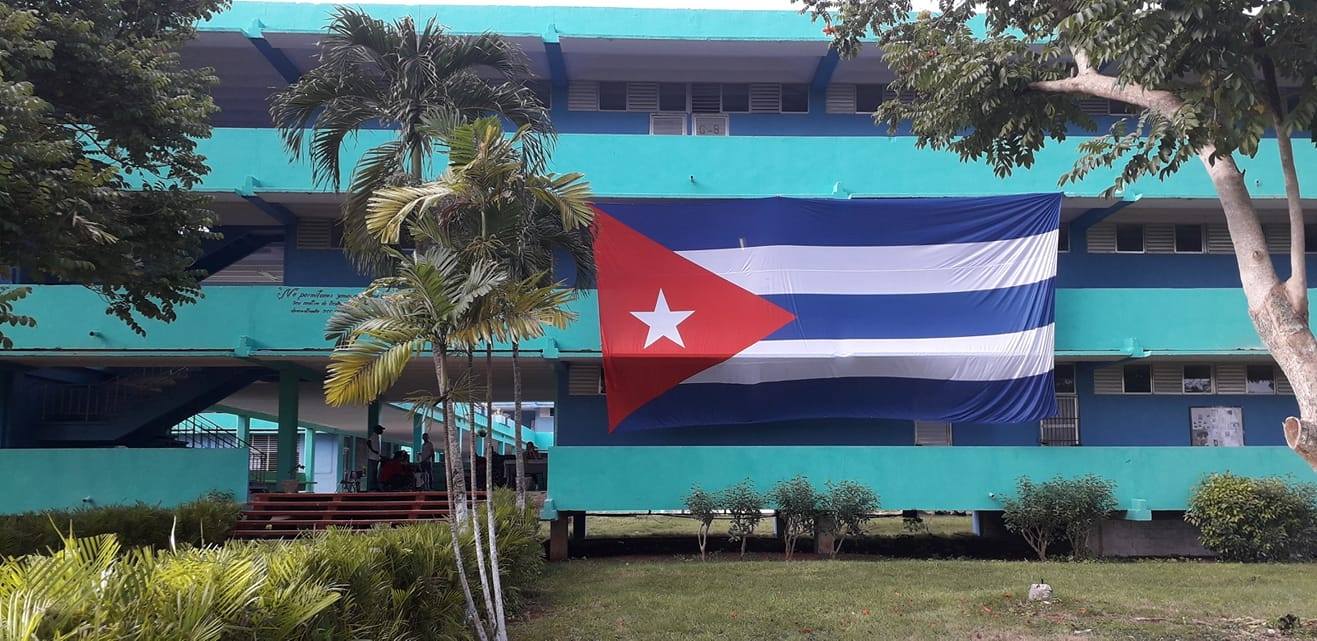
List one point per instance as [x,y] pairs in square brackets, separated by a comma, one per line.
[1216,426]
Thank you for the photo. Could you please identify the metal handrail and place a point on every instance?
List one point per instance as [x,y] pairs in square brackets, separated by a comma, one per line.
[199,431]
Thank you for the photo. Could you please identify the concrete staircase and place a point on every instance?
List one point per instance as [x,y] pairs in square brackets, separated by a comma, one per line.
[286,515]
[131,406]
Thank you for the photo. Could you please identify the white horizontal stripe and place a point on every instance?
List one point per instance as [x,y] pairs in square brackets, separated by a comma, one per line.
[961,358]
[907,269]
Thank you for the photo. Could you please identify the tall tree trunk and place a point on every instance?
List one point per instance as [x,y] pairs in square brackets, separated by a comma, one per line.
[456,483]
[1297,285]
[1279,312]
[456,493]
[500,622]
[475,509]
[418,162]
[489,413]
[1283,328]
[520,451]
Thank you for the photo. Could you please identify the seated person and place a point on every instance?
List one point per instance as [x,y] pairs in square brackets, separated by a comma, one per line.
[395,473]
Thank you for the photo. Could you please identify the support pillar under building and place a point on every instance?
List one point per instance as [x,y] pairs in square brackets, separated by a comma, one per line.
[286,463]
[558,537]
[309,458]
[418,428]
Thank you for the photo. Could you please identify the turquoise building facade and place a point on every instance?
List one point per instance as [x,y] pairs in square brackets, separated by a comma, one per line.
[1161,377]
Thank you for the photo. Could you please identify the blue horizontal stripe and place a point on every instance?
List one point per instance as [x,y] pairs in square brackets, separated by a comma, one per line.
[994,311]
[714,405]
[683,225]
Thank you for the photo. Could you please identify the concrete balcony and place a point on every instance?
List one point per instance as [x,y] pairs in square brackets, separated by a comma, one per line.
[268,321]
[253,161]
[927,478]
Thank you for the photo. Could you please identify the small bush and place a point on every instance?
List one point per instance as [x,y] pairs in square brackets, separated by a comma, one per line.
[1248,519]
[1085,501]
[703,506]
[388,584]
[913,523]
[847,506]
[207,520]
[745,506]
[1070,508]
[798,503]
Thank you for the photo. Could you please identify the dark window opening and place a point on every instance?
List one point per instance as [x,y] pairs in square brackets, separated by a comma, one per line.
[1260,379]
[1063,238]
[1189,239]
[1129,238]
[1064,377]
[1197,379]
[736,98]
[795,98]
[1310,238]
[612,96]
[1138,379]
[672,96]
[868,97]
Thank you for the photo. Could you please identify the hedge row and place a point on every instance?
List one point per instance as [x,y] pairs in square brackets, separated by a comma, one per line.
[384,585]
[206,520]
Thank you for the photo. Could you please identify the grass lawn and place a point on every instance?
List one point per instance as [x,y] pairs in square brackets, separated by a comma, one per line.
[682,599]
[671,525]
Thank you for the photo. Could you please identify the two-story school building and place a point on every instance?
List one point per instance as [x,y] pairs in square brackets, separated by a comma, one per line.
[1160,377]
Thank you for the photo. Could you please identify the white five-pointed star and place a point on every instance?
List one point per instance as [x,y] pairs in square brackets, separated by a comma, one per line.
[663,322]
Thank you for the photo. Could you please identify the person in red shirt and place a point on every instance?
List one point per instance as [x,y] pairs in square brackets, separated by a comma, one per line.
[394,473]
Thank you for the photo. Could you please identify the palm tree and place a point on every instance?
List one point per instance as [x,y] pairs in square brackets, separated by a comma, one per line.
[515,310]
[429,303]
[377,73]
[496,201]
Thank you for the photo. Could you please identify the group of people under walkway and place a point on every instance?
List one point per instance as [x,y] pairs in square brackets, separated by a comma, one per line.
[399,473]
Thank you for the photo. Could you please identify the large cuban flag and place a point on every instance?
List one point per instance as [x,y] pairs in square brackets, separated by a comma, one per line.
[720,312]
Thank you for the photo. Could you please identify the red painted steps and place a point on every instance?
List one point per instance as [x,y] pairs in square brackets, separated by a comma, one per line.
[285,515]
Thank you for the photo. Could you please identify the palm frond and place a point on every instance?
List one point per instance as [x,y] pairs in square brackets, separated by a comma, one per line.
[569,194]
[366,367]
[379,167]
[358,40]
[324,99]
[367,313]
[390,208]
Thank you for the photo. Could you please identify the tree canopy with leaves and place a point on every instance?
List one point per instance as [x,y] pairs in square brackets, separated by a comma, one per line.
[497,201]
[1210,80]
[98,130]
[396,74]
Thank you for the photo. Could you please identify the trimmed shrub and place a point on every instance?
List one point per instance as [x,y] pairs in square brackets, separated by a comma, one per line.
[384,585]
[1069,508]
[205,520]
[1252,519]
[745,506]
[798,503]
[1085,501]
[703,507]
[847,506]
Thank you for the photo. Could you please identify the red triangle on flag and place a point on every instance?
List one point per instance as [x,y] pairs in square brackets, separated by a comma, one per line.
[664,318]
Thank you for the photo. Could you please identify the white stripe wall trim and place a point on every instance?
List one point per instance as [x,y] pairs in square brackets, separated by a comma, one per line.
[906,269]
[996,357]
